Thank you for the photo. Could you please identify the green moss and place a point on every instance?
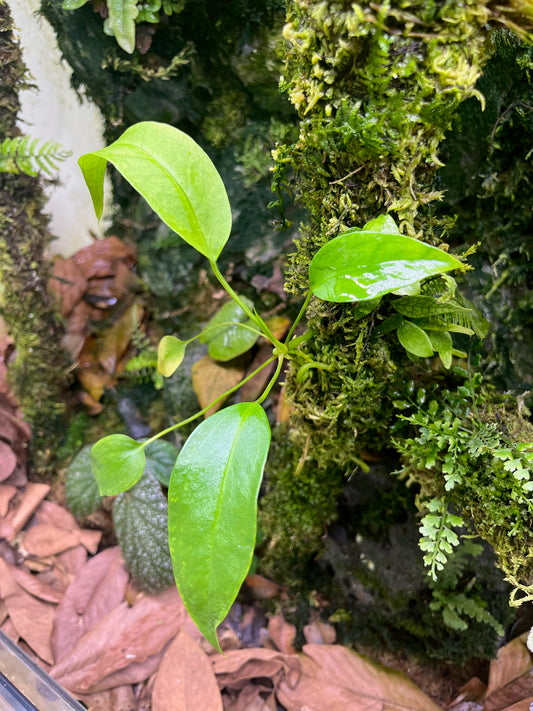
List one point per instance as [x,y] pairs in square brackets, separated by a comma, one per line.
[39,373]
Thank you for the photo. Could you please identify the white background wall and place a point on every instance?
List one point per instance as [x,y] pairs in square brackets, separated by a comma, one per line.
[54,112]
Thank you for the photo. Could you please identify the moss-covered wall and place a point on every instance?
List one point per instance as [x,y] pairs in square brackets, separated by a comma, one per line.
[39,372]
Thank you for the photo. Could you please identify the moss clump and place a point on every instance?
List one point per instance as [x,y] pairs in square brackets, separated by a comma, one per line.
[39,373]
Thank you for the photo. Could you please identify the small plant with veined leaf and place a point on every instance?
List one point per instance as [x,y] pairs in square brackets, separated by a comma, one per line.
[213,488]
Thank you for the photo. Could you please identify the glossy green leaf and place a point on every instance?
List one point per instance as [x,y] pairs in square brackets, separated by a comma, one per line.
[442,343]
[160,459]
[174,175]
[140,518]
[383,224]
[362,265]
[212,503]
[415,340]
[230,339]
[81,488]
[170,354]
[118,463]
[121,22]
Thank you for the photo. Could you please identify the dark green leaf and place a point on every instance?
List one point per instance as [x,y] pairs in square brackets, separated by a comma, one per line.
[362,265]
[213,508]
[118,463]
[170,354]
[160,459]
[415,340]
[140,517]
[230,339]
[426,306]
[174,175]
[81,488]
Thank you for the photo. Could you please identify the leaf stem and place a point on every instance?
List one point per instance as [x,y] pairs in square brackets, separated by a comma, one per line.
[298,318]
[272,381]
[251,315]
[218,399]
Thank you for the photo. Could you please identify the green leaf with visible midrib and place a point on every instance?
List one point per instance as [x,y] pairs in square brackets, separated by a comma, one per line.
[212,502]
[360,265]
[174,175]
[118,463]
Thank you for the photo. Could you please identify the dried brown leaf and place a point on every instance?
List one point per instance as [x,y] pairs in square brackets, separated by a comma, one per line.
[45,540]
[68,283]
[255,386]
[115,340]
[261,588]
[115,651]
[7,492]
[32,618]
[238,667]
[36,587]
[99,258]
[8,460]
[96,591]
[282,633]
[211,379]
[510,676]
[185,676]
[334,677]
[23,508]
[319,633]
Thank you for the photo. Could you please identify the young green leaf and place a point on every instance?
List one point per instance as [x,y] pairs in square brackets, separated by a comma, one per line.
[72,4]
[383,224]
[118,463]
[170,353]
[140,518]
[361,265]
[442,343]
[121,22]
[415,340]
[230,339]
[212,504]
[174,175]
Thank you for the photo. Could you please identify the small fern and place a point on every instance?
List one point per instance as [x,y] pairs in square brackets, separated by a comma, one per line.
[438,537]
[23,154]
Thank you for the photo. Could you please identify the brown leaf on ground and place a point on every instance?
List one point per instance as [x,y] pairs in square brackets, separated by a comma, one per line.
[99,259]
[96,591]
[120,698]
[8,460]
[44,540]
[115,340]
[124,645]
[211,379]
[318,632]
[7,492]
[36,587]
[240,666]
[262,588]
[255,386]
[22,507]
[32,618]
[68,283]
[334,677]
[185,676]
[510,676]
[253,697]
[282,633]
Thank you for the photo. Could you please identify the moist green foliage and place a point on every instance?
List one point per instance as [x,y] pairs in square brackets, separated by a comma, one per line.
[487,182]
[473,456]
[38,375]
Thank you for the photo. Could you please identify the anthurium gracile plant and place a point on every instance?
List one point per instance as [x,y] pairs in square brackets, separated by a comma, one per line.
[216,477]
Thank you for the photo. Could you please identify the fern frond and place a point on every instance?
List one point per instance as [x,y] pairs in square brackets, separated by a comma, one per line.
[23,154]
